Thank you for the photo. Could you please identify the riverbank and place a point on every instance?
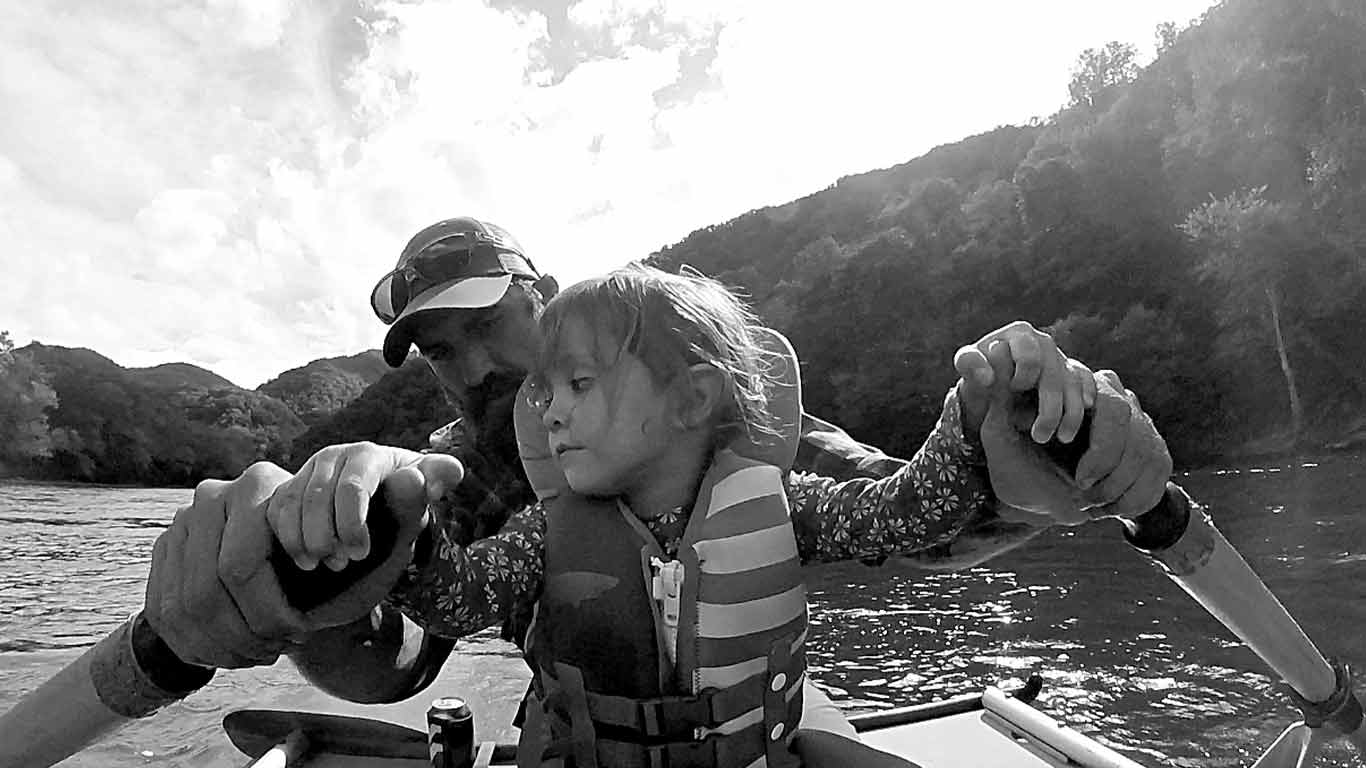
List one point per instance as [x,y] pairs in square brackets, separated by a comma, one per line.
[1342,437]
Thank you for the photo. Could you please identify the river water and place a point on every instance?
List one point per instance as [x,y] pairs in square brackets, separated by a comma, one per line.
[1126,656]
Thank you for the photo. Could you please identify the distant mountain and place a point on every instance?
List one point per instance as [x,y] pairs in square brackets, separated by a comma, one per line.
[111,424]
[402,409]
[179,376]
[319,389]
[174,424]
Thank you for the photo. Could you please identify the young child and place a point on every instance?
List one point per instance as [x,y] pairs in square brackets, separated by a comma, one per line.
[663,558]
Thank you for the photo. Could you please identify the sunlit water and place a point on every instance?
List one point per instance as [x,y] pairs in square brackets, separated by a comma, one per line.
[1127,657]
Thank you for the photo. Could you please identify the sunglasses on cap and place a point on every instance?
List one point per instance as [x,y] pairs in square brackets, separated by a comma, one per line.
[448,259]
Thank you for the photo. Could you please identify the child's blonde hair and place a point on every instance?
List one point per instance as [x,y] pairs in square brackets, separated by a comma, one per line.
[671,322]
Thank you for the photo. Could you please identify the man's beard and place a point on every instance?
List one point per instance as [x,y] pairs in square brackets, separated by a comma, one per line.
[487,410]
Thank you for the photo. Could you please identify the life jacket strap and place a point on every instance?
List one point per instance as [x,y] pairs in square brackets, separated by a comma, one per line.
[707,753]
[779,733]
[676,717]
[574,702]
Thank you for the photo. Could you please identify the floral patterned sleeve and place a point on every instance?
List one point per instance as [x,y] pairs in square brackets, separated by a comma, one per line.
[925,503]
[453,591]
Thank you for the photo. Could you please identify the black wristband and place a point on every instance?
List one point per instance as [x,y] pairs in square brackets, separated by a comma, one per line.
[134,673]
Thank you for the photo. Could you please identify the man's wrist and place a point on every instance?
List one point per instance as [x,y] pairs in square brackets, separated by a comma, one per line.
[135,673]
[163,667]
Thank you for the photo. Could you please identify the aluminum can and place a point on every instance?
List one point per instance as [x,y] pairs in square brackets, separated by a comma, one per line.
[450,733]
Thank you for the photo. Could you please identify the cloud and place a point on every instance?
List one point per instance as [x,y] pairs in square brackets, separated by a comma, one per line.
[222,181]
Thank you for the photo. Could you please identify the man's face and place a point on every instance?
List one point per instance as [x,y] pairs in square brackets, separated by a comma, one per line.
[480,356]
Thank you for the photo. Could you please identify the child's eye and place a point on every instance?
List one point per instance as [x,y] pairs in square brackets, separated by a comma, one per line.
[581,383]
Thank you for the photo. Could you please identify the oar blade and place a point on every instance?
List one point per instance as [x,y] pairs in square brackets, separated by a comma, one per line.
[255,731]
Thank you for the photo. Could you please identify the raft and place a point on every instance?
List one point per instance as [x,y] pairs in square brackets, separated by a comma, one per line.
[983,729]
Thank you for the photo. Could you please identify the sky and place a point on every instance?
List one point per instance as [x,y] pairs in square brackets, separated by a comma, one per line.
[221,182]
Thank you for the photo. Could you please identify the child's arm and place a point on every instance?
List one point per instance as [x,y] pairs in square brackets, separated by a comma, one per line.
[454,591]
[828,451]
[927,502]
[448,589]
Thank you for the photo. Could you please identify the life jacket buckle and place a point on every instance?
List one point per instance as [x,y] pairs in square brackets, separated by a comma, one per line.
[667,587]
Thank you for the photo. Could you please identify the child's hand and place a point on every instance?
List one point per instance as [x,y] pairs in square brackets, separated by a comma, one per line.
[1030,485]
[1122,473]
[1065,388]
[319,515]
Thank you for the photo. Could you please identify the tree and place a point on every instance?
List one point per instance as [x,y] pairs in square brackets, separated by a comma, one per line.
[1248,245]
[1166,34]
[25,396]
[1098,74]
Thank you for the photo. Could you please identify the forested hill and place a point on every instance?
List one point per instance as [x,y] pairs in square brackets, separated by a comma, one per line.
[178,376]
[1172,223]
[88,418]
[316,391]
[73,414]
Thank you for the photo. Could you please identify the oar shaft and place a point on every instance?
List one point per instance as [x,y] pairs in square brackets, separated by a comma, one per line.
[1204,564]
[1180,536]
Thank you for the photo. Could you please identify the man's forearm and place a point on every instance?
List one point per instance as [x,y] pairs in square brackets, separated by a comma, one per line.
[128,674]
[383,658]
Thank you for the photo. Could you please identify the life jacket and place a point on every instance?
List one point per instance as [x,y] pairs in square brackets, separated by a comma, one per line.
[639,660]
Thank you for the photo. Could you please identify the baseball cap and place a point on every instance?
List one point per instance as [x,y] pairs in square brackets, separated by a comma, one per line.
[459,263]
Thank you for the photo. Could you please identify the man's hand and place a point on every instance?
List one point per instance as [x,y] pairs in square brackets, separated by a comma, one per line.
[1064,387]
[1125,470]
[320,514]
[1122,473]
[213,594]
[189,602]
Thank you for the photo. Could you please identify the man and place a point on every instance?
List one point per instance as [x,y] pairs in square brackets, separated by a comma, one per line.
[467,296]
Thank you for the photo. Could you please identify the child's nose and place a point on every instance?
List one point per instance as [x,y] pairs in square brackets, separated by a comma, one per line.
[555,414]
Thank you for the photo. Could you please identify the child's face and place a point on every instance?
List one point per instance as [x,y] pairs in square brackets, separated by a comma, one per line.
[609,428]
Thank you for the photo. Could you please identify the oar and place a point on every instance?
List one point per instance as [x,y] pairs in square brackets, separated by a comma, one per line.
[1202,562]
[1197,557]
[256,731]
